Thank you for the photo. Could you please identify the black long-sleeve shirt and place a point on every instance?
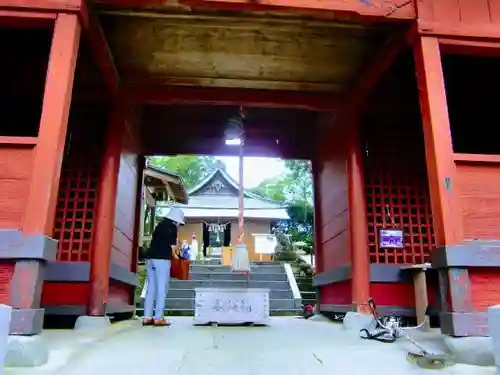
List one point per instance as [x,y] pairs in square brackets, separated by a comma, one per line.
[164,236]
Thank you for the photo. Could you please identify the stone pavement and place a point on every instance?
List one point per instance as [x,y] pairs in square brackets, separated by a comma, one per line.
[288,346]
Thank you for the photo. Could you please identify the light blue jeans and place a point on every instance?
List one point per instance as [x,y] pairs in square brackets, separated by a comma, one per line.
[158,274]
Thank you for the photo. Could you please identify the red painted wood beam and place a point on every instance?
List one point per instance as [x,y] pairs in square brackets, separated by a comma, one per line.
[469,47]
[398,9]
[382,62]
[42,198]
[216,146]
[441,168]
[43,5]
[99,47]
[488,31]
[372,74]
[314,101]
[105,217]
[26,19]
[91,27]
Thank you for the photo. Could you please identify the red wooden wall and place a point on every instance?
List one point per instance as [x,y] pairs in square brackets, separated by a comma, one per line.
[478,190]
[22,73]
[77,198]
[123,238]
[479,196]
[473,121]
[472,12]
[122,251]
[76,211]
[15,173]
[396,187]
[397,195]
[331,178]
[78,186]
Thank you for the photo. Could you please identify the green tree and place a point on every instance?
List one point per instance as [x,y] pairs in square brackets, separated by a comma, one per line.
[301,189]
[192,168]
[273,188]
[295,188]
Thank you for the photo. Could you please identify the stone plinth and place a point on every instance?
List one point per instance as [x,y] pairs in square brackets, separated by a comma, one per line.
[5,313]
[494,324]
[231,305]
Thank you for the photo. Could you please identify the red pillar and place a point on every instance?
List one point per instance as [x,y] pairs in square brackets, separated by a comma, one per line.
[141,164]
[318,254]
[358,223]
[438,144]
[38,218]
[454,283]
[106,204]
[41,204]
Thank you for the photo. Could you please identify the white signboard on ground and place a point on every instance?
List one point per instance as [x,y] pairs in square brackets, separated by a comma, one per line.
[264,243]
[231,305]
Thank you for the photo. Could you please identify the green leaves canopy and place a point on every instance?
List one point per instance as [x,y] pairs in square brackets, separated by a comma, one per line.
[193,169]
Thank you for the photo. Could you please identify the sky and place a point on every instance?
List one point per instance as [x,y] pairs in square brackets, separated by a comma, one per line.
[255,169]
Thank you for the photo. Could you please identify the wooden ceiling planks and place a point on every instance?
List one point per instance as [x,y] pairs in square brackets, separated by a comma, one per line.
[238,51]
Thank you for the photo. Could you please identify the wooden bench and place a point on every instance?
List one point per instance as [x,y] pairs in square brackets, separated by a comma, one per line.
[420,287]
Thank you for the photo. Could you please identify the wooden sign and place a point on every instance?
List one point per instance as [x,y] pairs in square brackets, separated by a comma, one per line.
[391,239]
[264,243]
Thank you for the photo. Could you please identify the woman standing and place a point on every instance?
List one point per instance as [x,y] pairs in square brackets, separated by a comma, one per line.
[159,257]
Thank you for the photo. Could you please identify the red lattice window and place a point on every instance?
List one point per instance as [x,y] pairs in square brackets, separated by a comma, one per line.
[397,191]
[76,205]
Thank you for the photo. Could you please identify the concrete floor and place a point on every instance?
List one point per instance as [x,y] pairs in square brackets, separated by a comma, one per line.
[288,346]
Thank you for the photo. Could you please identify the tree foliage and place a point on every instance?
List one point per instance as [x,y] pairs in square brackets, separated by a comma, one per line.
[295,188]
[274,188]
[193,169]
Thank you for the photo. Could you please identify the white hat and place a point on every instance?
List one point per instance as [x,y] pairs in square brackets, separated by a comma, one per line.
[175,214]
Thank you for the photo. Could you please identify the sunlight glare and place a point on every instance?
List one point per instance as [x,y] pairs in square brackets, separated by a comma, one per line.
[233,142]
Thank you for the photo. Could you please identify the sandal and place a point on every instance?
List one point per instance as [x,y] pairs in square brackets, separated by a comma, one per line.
[147,322]
[161,323]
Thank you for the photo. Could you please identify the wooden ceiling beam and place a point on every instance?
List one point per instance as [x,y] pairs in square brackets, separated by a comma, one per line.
[216,146]
[397,9]
[99,48]
[26,19]
[168,95]
[44,6]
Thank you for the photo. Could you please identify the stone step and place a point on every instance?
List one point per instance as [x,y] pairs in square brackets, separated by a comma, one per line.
[188,304]
[265,263]
[190,293]
[190,284]
[307,294]
[190,312]
[208,262]
[228,276]
[276,268]
[306,287]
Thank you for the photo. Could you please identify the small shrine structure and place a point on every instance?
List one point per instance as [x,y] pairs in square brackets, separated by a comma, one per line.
[212,212]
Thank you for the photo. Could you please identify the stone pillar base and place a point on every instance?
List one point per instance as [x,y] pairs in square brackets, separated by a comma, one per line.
[470,350]
[355,322]
[26,351]
[87,322]
[494,326]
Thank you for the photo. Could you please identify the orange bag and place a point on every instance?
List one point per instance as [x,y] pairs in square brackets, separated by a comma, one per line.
[179,269]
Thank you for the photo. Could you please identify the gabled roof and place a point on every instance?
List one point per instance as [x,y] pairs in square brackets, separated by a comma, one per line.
[205,203]
[231,182]
[165,182]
